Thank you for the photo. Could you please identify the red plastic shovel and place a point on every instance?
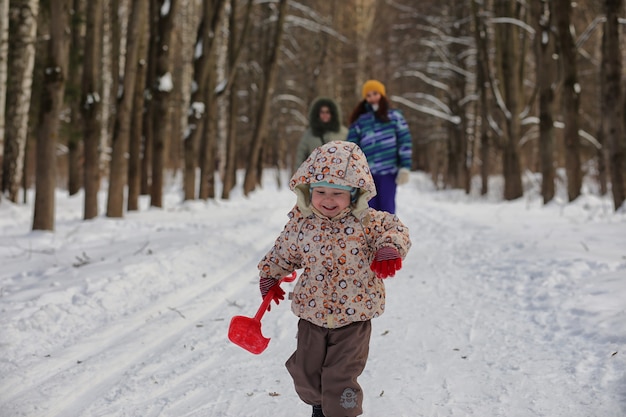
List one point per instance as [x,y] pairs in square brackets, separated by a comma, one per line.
[246,332]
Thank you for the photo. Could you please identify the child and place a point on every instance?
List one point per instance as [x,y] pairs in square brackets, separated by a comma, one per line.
[345,250]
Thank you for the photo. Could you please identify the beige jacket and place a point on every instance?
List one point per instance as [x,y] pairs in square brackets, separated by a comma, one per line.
[336,286]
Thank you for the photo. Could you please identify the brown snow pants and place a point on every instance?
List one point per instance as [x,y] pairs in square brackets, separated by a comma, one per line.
[326,365]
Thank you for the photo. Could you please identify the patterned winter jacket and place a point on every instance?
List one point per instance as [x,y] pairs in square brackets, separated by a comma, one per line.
[388,145]
[336,286]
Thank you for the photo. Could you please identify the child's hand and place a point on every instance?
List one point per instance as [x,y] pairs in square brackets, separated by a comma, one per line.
[270,286]
[386,262]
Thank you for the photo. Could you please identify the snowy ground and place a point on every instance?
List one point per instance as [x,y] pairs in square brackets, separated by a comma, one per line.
[502,309]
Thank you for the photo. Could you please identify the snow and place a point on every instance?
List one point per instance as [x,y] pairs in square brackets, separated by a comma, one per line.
[165,82]
[428,110]
[502,309]
[165,8]
[197,108]
[92,98]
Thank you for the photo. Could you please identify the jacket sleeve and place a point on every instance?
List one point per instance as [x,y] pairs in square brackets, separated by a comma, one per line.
[284,256]
[302,152]
[343,133]
[404,141]
[354,134]
[388,230]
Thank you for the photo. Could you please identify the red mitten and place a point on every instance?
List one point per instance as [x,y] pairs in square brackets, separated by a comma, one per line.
[386,262]
[270,286]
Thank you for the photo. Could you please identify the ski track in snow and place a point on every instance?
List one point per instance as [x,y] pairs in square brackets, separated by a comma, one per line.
[521,301]
[129,318]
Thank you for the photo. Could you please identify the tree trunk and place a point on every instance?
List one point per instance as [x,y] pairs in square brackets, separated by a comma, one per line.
[91,107]
[52,103]
[546,74]
[148,115]
[19,89]
[364,16]
[4,59]
[230,170]
[161,98]
[72,97]
[211,15]
[611,103]
[458,174]
[482,83]
[136,134]
[570,97]
[112,73]
[509,56]
[208,142]
[252,177]
[121,132]
[118,174]
[235,46]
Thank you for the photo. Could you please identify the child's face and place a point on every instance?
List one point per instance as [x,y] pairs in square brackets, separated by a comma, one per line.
[330,201]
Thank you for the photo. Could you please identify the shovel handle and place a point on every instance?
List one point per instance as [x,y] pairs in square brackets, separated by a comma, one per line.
[268,297]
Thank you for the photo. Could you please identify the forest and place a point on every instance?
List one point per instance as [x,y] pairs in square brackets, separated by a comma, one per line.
[119,96]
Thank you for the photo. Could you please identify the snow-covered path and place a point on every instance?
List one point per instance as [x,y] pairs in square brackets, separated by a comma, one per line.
[501,309]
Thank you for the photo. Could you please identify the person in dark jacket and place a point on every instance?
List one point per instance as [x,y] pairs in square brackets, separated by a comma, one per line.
[324,126]
[383,135]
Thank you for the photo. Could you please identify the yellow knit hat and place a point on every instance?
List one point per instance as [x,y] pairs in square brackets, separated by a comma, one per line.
[373,85]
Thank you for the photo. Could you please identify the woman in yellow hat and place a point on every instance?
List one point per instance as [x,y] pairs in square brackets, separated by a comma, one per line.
[383,135]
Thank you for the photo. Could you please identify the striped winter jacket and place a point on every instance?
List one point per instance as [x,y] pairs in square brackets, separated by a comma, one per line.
[387,145]
[336,286]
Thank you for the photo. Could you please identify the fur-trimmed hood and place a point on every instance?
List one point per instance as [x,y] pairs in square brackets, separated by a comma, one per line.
[318,127]
[336,162]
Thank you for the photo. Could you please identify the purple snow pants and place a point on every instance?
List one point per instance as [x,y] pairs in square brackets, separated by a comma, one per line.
[385,198]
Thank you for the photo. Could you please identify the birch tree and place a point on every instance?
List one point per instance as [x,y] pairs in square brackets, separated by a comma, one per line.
[23,17]
[52,104]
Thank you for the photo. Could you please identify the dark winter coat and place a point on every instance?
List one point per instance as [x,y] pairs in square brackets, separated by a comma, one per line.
[319,133]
